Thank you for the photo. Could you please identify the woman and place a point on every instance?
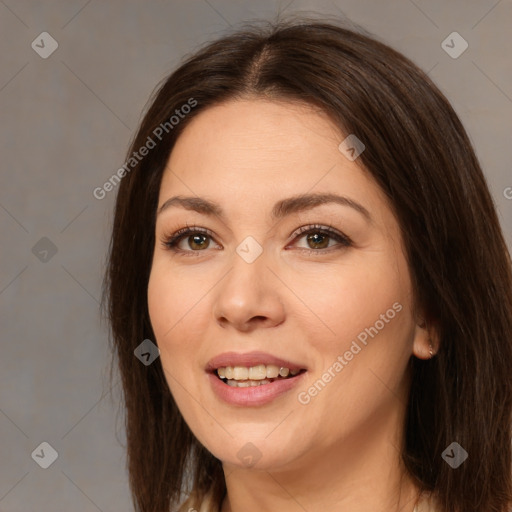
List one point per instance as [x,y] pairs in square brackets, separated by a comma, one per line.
[307,236]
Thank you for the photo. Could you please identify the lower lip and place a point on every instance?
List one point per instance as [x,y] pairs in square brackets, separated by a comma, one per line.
[255,395]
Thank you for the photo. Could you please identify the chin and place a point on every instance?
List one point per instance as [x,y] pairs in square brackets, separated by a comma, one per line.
[257,453]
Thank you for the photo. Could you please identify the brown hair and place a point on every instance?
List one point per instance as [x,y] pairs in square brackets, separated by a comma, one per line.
[419,154]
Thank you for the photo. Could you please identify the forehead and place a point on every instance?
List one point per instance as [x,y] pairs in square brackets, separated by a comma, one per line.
[262,145]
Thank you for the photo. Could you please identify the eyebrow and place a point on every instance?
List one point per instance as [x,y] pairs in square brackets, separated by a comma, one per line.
[281,209]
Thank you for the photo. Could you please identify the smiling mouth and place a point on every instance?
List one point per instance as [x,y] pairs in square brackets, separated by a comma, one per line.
[259,375]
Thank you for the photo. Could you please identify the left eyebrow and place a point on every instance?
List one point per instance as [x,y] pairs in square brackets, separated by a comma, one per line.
[281,209]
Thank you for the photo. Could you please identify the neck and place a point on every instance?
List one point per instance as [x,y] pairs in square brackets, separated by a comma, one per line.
[361,473]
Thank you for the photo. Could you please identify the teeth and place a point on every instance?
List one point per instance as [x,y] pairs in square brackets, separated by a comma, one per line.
[237,384]
[272,371]
[247,383]
[240,373]
[257,372]
[254,373]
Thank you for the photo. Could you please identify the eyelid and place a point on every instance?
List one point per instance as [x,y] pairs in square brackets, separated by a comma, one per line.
[170,242]
[342,239]
[319,227]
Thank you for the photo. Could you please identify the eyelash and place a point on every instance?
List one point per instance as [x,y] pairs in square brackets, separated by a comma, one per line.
[171,242]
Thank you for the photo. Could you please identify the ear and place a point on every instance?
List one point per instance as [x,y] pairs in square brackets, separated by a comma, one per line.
[426,339]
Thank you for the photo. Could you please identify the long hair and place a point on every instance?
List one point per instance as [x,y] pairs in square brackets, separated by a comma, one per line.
[418,152]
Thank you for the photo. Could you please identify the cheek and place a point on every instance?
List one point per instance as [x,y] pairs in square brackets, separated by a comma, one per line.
[344,300]
[170,301]
[371,363]
[367,309]
[173,298]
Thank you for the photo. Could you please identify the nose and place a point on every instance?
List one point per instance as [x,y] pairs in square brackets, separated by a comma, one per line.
[249,296]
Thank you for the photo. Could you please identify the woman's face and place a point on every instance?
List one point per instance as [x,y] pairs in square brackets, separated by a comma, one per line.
[255,291]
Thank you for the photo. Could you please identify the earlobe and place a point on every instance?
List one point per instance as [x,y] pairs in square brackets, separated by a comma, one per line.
[426,341]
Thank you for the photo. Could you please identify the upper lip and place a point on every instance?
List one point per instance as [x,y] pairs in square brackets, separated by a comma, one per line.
[249,359]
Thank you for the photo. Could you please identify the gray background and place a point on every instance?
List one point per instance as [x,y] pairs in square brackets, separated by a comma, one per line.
[66,124]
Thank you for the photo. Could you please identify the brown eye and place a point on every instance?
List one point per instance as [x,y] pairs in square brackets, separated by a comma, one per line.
[318,238]
[198,241]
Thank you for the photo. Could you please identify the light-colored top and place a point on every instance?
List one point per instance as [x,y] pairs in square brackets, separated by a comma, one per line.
[426,504]
[190,505]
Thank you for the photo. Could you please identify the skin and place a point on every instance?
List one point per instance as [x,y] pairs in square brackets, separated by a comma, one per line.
[307,308]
